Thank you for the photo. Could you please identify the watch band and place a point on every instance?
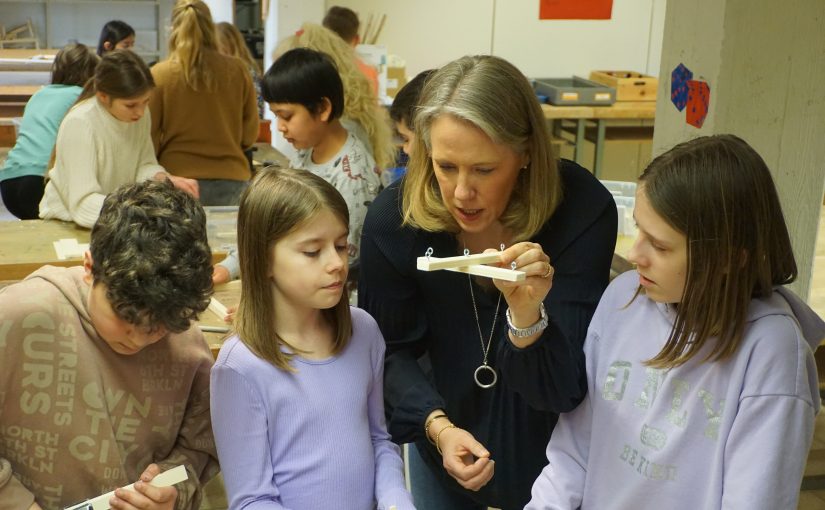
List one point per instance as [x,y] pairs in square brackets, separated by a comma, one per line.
[530,330]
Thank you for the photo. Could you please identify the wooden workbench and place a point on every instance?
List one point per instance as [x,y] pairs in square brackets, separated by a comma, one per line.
[229,294]
[621,110]
[27,245]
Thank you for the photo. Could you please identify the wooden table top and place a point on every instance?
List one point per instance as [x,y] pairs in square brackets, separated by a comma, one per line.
[27,245]
[619,110]
[229,294]
[18,91]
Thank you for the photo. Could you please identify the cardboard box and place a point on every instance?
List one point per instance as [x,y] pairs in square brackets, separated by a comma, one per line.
[396,78]
[629,85]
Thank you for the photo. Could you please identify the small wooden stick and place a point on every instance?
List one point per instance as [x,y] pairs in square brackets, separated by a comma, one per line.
[472,264]
[433,263]
[374,38]
[217,308]
[499,273]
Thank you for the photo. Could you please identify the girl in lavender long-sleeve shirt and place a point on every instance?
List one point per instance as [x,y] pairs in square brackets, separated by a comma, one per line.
[702,385]
[297,393]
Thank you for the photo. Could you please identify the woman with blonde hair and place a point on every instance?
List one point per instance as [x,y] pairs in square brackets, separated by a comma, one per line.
[504,357]
[204,113]
[362,113]
[231,43]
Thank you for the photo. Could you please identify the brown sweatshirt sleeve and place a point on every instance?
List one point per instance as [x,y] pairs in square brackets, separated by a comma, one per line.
[13,496]
[195,446]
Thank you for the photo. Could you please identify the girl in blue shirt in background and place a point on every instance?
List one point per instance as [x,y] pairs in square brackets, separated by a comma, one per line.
[21,178]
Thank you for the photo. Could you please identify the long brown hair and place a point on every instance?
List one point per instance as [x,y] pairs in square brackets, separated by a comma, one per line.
[74,65]
[193,35]
[277,202]
[120,74]
[494,96]
[719,193]
[230,42]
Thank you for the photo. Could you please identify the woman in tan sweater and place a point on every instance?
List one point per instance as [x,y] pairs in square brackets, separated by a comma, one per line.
[204,112]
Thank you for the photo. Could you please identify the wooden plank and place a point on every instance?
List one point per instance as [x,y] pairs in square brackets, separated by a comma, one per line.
[619,110]
[434,263]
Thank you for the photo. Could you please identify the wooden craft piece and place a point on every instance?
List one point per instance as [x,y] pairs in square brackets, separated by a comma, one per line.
[169,477]
[471,264]
[69,249]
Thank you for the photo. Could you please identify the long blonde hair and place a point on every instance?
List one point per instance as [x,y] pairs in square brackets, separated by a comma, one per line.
[230,42]
[360,102]
[493,95]
[277,202]
[193,35]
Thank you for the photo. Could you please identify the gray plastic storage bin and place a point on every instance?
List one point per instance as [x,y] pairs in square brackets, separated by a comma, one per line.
[574,91]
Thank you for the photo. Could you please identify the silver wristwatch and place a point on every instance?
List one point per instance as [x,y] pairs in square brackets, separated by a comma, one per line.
[530,330]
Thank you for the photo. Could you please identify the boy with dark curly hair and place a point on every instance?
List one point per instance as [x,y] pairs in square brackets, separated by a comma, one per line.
[104,377]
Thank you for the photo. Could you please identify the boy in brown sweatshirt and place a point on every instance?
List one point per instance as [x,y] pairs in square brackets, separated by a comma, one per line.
[104,377]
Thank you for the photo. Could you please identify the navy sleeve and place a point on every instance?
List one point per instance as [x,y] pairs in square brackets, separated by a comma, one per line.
[387,291]
[580,239]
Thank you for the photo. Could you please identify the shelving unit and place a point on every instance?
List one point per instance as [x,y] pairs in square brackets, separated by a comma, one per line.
[62,21]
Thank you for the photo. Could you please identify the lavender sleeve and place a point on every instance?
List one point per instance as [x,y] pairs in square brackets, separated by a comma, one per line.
[241,436]
[390,489]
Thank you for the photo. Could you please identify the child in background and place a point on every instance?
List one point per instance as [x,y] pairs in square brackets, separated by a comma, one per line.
[101,367]
[204,114]
[104,142]
[402,113]
[116,35]
[297,394]
[231,43]
[345,23]
[305,93]
[21,178]
[363,115]
[702,385]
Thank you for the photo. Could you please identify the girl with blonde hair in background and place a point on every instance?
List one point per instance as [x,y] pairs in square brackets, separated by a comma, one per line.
[231,43]
[362,114]
[204,112]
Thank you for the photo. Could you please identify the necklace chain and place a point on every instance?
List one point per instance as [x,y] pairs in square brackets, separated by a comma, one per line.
[484,349]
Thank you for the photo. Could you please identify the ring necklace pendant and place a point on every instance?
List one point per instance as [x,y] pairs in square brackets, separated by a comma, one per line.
[484,370]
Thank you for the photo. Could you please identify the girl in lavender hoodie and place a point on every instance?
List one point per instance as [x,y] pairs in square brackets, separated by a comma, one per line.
[298,392]
[701,377]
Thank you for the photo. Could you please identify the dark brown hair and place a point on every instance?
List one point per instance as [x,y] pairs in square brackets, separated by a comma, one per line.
[121,74]
[719,193]
[74,65]
[113,32]
[149,249]
[278,202]
[405,102]
[342,21]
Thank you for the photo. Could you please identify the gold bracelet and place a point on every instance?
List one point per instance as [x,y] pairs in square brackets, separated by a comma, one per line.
[438,436]
[430,422]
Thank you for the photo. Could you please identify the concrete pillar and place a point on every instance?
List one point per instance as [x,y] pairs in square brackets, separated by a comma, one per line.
[765,64]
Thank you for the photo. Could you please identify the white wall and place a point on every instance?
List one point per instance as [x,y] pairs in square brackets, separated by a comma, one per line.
[429,33]
[222,10]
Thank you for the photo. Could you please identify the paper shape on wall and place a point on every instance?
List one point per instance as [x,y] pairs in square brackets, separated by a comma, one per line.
[575,9]
[678,86]
[697,103]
